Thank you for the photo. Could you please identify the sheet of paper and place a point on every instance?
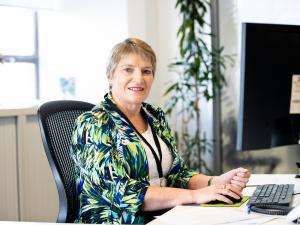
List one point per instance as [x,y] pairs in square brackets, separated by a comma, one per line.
[194,215]
[295,95]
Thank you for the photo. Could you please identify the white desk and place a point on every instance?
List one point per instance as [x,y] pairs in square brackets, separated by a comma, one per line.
[194,215]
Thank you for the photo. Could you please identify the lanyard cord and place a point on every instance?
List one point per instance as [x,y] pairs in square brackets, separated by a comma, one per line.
[157,160]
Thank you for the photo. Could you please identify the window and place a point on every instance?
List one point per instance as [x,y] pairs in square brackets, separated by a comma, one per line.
[19,68]
[58,54]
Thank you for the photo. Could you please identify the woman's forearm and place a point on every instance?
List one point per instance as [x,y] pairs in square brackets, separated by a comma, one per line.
[157,198]
[199,181]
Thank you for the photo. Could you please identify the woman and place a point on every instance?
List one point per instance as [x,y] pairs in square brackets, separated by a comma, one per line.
[126,159]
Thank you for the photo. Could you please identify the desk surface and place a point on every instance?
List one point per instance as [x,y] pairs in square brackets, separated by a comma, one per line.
[190,215]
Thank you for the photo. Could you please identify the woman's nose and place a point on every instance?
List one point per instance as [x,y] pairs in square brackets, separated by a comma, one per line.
[138,74]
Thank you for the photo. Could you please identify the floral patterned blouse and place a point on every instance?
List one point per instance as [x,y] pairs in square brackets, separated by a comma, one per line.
[111,164]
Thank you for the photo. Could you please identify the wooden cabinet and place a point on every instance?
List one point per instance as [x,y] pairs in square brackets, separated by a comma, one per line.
[27,191]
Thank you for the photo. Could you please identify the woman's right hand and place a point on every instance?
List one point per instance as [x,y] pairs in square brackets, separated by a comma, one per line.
[216,192]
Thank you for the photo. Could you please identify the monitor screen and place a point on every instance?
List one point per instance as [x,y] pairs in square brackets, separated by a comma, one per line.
[270,59]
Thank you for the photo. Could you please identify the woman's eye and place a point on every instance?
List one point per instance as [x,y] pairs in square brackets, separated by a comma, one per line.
[128,70]
[147,72]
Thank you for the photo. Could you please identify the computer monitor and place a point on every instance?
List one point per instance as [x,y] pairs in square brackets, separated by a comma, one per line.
[270,57]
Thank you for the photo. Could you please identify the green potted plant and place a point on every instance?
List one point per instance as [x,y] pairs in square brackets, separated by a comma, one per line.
[197,69]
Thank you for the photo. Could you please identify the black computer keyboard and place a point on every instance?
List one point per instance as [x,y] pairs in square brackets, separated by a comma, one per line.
[272,194]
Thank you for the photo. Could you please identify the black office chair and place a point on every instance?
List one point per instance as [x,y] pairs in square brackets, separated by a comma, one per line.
[56,121]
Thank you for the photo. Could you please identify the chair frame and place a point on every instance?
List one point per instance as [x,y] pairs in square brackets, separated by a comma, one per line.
[44,111]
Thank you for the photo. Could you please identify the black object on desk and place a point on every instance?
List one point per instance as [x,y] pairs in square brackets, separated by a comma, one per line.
[298,166]
[234,200]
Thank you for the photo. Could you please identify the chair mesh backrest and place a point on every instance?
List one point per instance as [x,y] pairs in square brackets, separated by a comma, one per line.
[58,124]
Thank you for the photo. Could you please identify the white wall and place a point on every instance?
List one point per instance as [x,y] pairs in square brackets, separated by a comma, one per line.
[156,22]
[75,42]
[168,21]
[269,11]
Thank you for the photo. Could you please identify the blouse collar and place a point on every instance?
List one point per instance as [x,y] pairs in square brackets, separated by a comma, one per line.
[151,119]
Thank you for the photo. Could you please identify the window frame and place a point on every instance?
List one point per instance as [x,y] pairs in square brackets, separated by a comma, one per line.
[34,59]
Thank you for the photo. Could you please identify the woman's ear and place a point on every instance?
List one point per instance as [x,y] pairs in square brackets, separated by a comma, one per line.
[109,78]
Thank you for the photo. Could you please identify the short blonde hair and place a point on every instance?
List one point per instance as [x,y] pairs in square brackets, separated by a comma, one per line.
[130,45]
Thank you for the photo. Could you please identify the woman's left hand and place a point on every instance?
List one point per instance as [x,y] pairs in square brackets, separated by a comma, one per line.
[237,177]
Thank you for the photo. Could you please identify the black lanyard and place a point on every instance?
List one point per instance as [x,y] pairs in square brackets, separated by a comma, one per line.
[157,160]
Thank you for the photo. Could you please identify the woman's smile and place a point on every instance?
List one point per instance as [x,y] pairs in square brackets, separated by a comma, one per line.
[136,89]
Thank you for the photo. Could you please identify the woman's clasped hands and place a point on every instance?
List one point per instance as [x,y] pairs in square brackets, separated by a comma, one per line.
[226,187]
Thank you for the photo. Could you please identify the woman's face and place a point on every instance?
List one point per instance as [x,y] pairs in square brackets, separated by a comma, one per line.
[132,79]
